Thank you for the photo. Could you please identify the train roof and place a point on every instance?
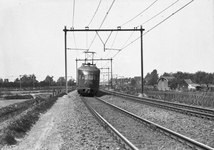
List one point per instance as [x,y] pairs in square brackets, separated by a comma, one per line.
[88,67]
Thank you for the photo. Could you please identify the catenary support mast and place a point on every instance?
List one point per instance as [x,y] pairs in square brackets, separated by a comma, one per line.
[102,30]
[141,40]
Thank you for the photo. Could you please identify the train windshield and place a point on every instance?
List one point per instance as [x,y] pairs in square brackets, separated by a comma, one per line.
[88,77]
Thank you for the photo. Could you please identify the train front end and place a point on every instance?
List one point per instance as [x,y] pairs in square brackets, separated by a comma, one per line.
[88,80]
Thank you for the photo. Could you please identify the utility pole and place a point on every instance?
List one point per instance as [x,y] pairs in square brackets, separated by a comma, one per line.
[107,74]
[66,83]
[141,40]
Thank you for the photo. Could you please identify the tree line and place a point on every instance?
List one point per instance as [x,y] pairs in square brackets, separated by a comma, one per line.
[200,77]
[30,81]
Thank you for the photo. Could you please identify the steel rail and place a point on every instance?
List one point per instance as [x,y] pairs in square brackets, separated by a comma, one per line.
[211,111]
[122,140]
[181,138]
[195,111]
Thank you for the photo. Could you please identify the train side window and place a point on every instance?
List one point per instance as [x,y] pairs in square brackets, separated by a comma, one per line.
[81,76]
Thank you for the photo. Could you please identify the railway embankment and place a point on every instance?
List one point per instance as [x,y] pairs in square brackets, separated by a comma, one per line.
[66,125]
[17,119]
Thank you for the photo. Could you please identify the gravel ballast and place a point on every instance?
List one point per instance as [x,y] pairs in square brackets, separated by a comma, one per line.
[142,136]
[199,129]
[67,125]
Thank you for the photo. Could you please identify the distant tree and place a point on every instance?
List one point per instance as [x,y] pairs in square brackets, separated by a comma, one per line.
[1,82]
[28,80]
[208,79]
[167,74]
[147,77]
[199,76]
[61,81]
[133,82]
[17,82]
[174,83]
[71,82]
[48,80]
[179,76]
[212,82]
[154,78]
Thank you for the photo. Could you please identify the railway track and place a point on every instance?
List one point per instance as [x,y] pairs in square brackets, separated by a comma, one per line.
[178,107]
[134,132]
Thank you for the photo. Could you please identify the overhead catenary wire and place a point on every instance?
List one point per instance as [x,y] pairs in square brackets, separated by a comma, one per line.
[112,44]
[150,18]
[75,43]
[102,22]
[73,13]
[73,27]
[155,26]
[140,13]
[133,19]
[95,13]
[107,13]
[104,43]
[128,39]
[133,31]
[158,13]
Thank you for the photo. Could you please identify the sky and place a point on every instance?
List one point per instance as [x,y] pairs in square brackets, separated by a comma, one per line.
[32,38]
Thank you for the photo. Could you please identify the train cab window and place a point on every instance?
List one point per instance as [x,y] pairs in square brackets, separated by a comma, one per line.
[81,76]
[89,77]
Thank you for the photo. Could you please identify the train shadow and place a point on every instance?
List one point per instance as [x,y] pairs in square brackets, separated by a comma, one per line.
[101,93]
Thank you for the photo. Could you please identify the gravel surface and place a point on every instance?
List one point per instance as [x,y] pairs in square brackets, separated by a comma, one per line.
[199,129]
[67,125]
[140,135]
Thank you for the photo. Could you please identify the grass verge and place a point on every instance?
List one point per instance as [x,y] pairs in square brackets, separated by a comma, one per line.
[18,128]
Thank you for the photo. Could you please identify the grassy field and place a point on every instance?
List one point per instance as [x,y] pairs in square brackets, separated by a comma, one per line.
[192,98]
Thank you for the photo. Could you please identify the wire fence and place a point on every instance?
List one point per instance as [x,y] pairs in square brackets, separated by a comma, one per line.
[204,99]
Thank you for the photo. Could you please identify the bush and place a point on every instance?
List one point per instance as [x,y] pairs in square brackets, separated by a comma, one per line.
[18,97]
